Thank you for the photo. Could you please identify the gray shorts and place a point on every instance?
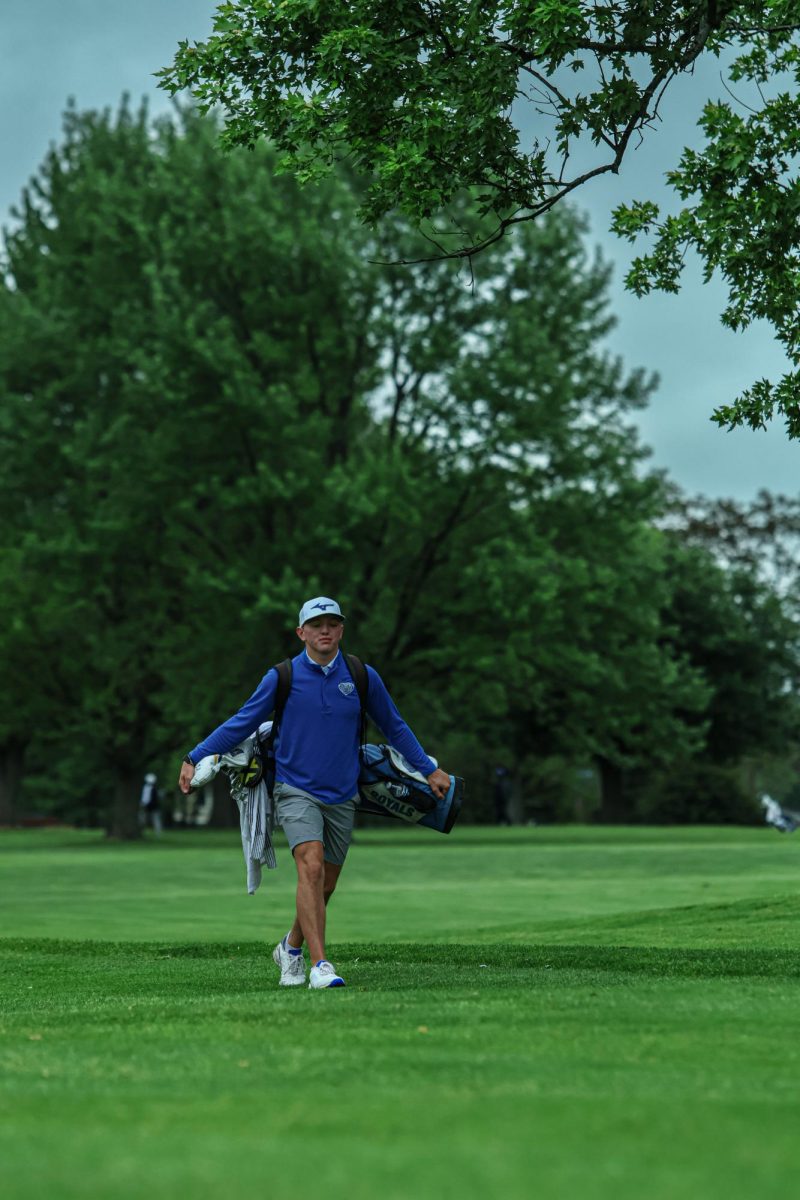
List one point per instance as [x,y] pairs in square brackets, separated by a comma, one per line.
[305,819]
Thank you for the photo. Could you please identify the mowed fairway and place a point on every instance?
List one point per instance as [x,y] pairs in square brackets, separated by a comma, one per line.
[536,1012]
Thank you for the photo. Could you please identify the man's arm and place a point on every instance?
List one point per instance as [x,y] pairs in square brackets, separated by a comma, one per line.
[253,712]
[384,712]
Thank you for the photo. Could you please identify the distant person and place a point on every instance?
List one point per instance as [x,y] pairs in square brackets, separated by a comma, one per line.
[502,795]
[316,773]
[150,804]
[782,818]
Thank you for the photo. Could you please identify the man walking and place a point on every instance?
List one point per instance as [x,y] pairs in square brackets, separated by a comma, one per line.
[316,773]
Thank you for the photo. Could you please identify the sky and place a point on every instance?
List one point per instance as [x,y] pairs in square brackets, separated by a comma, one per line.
[94,50]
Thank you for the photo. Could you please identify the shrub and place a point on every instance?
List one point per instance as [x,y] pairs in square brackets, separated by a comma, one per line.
[699,793]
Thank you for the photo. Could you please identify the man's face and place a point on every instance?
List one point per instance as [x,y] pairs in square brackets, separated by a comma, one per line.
[322,635]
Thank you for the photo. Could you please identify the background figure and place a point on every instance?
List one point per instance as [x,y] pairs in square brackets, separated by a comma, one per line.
[150,804]
[502,795]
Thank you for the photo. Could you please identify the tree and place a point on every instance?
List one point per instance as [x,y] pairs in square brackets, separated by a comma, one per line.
[538,537]
[420,99]
[736,569]
[760,538]
[40,634]
[163,313]
[743,638]
[738,631]
[210,411]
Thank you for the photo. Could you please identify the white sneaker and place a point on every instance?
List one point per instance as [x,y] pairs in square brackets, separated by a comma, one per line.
[293,966]
[324,975]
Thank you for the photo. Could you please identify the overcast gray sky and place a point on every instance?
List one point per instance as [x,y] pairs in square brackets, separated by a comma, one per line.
[94,50]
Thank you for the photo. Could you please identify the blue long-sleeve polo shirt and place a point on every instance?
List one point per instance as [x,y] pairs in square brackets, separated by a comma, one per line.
[317,748]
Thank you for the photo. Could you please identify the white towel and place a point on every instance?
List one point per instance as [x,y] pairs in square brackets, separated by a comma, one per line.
[256,823]
[256,816]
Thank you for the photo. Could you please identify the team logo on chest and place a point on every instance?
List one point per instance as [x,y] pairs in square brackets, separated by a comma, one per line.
[347,689]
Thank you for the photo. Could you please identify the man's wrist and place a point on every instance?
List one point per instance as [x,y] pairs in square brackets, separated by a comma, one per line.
[186,759]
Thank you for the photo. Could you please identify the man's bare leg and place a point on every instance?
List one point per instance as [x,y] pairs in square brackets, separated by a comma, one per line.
[316,882]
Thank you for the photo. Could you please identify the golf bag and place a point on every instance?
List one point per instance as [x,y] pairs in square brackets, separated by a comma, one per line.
[389,786]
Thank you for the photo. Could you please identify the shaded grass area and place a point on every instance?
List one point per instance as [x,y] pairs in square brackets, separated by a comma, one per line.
[682,887]
[393,961]
[660,1063]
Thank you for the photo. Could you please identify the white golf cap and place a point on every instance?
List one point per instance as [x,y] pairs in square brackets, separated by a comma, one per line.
[320,606]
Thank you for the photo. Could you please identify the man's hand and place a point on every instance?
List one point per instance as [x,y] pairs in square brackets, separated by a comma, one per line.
[439,783]
[186,777]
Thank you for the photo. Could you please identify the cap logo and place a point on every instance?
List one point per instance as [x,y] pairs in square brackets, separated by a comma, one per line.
[347,689]
[322,606]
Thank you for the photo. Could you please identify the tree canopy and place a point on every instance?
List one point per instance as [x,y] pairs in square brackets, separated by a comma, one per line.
[423,99]
[210,412]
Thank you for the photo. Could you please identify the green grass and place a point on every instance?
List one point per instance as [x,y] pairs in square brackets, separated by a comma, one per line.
[537,1012]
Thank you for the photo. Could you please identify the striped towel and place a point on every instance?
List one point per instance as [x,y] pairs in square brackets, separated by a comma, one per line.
[256,821]
[256,817]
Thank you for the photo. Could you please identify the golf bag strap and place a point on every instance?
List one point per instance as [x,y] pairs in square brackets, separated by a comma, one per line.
[284,670]
[360,678]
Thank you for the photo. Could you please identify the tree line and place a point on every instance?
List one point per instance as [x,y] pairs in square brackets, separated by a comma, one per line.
[215,404]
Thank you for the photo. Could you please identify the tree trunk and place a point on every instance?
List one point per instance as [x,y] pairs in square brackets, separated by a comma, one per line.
[123,820]
[225,814]
[11,761]
[614,809]
[516,807]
